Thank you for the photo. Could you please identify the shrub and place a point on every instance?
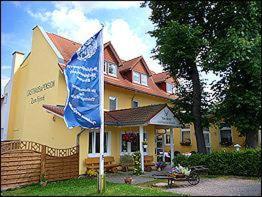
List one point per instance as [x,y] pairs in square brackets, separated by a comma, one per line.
[137,163]
[240,163]
[126,160]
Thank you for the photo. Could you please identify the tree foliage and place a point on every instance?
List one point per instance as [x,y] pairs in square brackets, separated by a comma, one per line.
[219,36]
[235,52]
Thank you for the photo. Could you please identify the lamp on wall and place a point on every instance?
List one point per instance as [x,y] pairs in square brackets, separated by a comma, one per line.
[237,146]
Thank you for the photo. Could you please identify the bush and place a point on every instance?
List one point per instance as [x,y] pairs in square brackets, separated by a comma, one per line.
[126,160]
[137,163]
[240,163]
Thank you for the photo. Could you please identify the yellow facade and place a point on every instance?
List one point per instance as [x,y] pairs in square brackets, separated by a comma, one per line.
[29,121]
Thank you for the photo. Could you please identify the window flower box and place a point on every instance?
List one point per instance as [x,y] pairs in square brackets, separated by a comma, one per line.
[186,143]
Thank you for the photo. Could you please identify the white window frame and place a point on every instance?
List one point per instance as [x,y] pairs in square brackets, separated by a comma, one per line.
[144,84]
[225,128]
[133,77]
[181,135]
[134,101]
[93,154]
[129,144]
[113,98]
[105,67]
[111,64]
[209,136]
[172,91]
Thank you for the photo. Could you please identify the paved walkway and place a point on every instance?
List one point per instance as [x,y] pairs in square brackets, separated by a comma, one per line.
[220,187]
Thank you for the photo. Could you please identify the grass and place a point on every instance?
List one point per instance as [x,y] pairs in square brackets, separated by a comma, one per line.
[85,187]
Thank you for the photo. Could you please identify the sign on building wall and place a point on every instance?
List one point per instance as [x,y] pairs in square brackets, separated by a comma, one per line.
[165,117]
[84,79]
[33,93]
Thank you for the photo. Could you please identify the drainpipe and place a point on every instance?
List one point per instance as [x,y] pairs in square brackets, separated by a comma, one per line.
[78,136]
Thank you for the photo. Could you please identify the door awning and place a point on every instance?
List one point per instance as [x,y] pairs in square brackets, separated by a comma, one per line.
[159,114]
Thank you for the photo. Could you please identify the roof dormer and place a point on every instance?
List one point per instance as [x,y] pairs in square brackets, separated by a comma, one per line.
[165,82]
[136,71]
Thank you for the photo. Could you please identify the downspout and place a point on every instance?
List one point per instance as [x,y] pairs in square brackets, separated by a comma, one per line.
[78,136]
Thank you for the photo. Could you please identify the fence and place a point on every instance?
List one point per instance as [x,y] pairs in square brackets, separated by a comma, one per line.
[25,162]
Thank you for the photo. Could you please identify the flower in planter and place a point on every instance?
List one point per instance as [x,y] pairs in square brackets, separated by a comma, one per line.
[187,142]
[129,137]
[128,180]
[91,173]
[161,165]
[144,142]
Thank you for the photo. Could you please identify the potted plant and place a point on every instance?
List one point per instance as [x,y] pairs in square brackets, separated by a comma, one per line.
[91,173]
[125,161]
[160,165]
[43,181]
[128,180]
[187,142]
[144,144]
[129,137]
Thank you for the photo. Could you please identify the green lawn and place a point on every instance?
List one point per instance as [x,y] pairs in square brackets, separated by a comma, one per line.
[85,187]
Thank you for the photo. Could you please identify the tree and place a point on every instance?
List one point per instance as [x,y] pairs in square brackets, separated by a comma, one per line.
[179,32]
[236,55]
[212,36]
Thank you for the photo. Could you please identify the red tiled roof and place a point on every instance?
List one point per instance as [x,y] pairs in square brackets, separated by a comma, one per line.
[68,47]
[132,116]
[159,77]
[129,64]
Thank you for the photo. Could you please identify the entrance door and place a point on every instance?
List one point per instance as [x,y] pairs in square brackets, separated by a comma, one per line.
[160,146]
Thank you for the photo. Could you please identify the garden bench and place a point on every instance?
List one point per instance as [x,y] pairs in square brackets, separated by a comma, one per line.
[92,163]
[148,163]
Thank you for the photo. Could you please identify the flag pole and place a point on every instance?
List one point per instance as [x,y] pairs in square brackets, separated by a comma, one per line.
[101,177]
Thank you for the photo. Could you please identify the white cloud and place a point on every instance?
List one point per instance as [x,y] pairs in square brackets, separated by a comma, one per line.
[5,67]
[126,42]
[89,6]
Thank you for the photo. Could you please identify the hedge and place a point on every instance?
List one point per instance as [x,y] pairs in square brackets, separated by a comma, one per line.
[240,163]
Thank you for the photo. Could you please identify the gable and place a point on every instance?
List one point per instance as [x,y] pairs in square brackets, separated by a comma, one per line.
[140,67]
[109,55]
[165,117]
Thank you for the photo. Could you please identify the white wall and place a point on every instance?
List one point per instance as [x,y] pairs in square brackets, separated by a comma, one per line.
[5,111]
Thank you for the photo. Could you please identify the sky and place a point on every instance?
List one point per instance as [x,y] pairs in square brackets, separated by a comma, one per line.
[125,24]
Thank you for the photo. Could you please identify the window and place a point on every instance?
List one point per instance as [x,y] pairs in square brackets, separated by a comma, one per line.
[112,69]
[207,139]
[112,103]
[169,88]
[185,137]
[94,143]
[167,138]
[140,78]
[225,136]
[130,147]
[136,77]
[134,104]
[144,79]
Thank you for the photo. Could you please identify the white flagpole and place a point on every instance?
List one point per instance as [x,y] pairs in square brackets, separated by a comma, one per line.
[101,178]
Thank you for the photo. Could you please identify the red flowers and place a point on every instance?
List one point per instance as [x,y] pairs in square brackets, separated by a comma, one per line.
[129,137]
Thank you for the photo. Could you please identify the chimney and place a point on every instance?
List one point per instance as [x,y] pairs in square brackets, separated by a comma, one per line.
[18,58]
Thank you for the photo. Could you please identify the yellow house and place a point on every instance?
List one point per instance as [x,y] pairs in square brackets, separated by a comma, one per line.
[135,101]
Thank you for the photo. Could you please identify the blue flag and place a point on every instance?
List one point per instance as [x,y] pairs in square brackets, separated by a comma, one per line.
[84,80]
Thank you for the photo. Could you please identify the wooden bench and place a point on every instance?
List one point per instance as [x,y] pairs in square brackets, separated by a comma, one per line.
[93,163]
[148,163]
